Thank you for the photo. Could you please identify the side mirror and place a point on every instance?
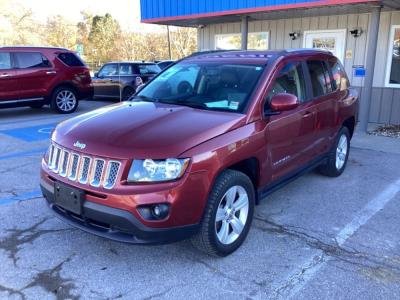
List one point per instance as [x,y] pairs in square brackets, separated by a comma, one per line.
[282,102]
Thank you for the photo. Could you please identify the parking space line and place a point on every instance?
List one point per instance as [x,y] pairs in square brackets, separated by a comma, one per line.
[22,197]
[308,270]
[21,154]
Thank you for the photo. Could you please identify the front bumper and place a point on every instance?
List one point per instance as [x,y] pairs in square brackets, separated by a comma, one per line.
[114,223]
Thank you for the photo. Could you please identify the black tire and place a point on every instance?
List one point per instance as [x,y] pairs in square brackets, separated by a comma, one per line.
[127,93]
[37,105]
[206,239]
[330,168]
[57,106]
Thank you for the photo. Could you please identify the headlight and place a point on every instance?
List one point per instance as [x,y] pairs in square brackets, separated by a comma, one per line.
[150,170]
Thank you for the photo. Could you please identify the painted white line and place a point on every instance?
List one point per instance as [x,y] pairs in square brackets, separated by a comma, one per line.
[373,207]
[294,283]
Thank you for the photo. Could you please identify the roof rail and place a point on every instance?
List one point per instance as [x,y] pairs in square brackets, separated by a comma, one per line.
[307,50]
[209,52]
[35,47]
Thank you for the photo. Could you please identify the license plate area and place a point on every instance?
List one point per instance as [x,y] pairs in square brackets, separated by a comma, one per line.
[69,198]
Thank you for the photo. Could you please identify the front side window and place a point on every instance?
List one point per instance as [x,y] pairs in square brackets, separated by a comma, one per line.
[289,81]
[394,58]
[340,80]
[5,60]
[28,60]
[320,79]
[255,41]
[149,69]
[109,70]
[204,85]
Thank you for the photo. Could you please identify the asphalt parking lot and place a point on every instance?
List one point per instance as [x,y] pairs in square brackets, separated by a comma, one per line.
[316,238]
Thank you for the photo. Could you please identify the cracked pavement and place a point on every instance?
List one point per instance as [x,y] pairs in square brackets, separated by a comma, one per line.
[293,250]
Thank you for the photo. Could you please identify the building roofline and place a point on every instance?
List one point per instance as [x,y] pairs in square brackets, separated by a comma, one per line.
[257,10]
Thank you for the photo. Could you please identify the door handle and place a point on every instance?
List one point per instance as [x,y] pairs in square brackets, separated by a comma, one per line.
[51,72]
[308,114]
[4,75]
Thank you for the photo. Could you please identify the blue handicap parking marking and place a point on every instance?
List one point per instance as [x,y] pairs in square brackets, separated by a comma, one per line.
[31,134]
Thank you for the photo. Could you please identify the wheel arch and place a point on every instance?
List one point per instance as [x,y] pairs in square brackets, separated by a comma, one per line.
[64,84]
[251,168]
[350,124]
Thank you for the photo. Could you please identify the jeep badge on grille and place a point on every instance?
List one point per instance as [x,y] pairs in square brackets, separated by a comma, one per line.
[80,145]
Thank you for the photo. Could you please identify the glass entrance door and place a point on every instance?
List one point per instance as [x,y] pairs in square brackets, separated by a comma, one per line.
[331,40]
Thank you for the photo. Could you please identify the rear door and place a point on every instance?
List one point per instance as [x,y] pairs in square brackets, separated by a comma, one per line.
[324,99]
[33,74]
[106,83]
[8,82]
[290,135]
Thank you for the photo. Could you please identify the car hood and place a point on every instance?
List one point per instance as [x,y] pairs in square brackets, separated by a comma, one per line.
[143,130]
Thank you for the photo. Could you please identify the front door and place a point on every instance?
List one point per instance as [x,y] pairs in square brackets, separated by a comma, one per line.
[331,40]
[290,135]
[106,83]
[8,84]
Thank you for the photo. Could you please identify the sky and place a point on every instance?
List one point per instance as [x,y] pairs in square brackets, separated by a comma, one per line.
[127,12]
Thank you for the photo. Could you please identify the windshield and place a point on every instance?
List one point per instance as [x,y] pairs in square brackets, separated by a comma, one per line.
[210,86]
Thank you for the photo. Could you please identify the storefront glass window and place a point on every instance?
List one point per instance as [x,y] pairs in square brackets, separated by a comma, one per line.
[256,41]
[394,64]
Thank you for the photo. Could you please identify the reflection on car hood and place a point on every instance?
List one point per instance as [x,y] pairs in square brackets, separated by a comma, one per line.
[144,129]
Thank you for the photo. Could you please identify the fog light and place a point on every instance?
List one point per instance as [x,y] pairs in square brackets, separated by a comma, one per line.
[160,211]
[154,212]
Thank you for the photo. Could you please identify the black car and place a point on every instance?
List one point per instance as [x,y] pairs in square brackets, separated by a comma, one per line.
[119,80]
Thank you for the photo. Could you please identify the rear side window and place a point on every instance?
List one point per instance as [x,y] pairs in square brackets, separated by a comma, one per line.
[320,79]
[340,80]
[149,69]
[28,60]
[109,70]
[70,59]
[125,69]
[5,61]
[289,81]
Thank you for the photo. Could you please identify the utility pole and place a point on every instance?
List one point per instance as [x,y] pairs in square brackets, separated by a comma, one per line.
[169,44]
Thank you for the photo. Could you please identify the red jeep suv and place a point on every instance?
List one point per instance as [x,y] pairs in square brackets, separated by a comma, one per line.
[35,76]
[200,145]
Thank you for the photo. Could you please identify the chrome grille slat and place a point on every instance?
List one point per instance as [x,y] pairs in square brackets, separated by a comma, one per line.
[111,174]
[64,163]
[97,172]
[57,160]
[73,172]
[84,169]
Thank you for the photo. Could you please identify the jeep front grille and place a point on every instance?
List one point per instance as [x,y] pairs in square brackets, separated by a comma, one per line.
[82,168]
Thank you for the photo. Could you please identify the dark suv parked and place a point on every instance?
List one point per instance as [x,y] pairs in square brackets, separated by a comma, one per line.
[36,76]
[119,80]
[200,145]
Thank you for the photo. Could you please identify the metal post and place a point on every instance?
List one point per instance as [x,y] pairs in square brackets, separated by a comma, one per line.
[245,31]
[169,44]
[370,68]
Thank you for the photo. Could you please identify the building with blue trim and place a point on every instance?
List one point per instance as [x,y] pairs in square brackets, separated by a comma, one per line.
[364,34]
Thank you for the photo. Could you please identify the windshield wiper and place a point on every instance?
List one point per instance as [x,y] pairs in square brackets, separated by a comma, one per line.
[145,98]
[185,103]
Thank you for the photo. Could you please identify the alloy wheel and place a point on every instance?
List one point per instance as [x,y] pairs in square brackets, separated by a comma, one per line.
[341,152]
[232,213]
[66,100]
